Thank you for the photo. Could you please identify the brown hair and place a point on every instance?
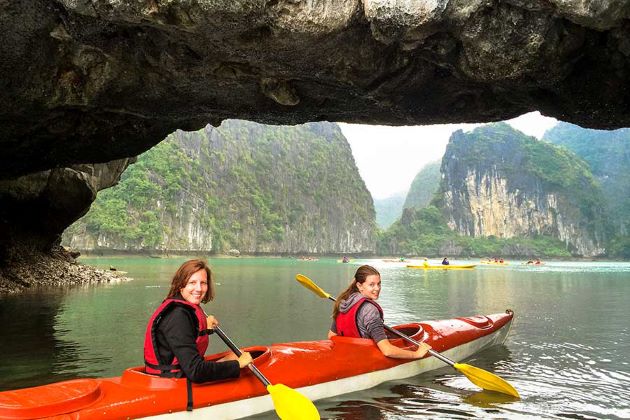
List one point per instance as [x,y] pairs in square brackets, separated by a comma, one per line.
[183,274]
[359,277]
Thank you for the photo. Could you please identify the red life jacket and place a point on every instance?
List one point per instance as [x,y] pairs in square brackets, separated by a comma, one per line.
[151,361]
[346,322]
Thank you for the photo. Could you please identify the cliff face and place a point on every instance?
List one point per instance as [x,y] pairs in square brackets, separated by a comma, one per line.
[499,182]
[608,155]
[255,188]
[424,186]
[389,209]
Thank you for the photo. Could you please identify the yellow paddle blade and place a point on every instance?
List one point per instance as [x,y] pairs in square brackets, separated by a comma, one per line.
[486,380]
[291,405]
[308,283]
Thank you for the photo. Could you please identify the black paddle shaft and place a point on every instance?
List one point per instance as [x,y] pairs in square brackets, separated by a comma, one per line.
[411,340]
[238,352]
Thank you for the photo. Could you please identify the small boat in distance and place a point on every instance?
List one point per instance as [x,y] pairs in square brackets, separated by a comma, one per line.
[444,267]
[496,261]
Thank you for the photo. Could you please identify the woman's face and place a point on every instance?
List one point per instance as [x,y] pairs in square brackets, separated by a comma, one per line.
[371,287]
[196,288]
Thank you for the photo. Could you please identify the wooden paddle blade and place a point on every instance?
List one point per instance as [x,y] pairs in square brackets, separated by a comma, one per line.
[291,405]
[309,284]
[486,380]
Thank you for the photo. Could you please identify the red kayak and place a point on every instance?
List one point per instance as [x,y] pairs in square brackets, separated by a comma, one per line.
[316,369]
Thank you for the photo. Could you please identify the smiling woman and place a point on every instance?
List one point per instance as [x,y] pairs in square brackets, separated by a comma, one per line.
[176,337]
[196,288]
[357,315]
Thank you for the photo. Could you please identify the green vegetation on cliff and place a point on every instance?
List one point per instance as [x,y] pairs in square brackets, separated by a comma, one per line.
[388,210]
[128,212]
[520,158]
[270,189]
[539,199]
[424,232]
[424,186]
[608,155]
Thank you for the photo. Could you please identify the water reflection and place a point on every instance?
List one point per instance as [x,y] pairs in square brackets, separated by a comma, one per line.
[30,346]
[567,353]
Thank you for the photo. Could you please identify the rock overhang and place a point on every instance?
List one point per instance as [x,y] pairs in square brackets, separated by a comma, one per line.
[93,81]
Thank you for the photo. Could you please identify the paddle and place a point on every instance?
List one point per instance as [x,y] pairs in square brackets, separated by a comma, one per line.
[289,403]
[481,378]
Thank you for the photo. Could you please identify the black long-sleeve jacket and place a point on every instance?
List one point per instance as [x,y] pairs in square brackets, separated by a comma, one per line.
[176,336]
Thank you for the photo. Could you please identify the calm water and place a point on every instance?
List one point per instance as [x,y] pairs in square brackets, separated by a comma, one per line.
[568,353]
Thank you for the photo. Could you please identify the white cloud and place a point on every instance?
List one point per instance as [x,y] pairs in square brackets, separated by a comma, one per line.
[533,124]
[389,158]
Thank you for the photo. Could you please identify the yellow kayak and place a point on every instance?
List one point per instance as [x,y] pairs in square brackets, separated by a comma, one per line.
[444,267]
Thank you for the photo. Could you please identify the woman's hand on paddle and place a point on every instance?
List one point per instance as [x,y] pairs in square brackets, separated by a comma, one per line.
[422,350]
[211,321]
[244,359]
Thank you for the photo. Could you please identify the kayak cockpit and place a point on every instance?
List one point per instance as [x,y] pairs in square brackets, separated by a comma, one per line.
[414,330]
[136,377]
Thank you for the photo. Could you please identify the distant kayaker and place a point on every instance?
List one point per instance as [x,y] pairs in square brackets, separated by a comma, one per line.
[445,261]
[176,337]
[425,263]
[356,314]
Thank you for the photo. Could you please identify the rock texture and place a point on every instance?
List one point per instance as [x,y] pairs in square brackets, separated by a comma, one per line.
[93,81]
[608,155]
[492,186]
[256,188]
[34,211]
[36,208]
[30,269]
[424,186]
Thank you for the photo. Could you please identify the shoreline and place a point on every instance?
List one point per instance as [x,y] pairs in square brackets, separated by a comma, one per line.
[30,270]
[201,254]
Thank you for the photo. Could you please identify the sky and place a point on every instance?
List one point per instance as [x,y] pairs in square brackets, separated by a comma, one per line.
[389,158]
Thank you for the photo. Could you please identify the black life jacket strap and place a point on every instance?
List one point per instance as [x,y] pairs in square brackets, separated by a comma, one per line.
[189,405]
[166,371]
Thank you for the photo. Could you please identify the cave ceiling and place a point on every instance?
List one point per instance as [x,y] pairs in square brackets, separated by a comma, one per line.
[92,81]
